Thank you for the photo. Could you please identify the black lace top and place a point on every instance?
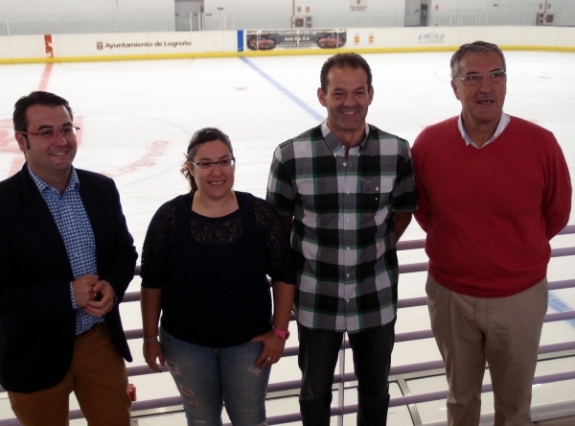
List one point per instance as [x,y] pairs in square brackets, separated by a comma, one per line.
[212,271]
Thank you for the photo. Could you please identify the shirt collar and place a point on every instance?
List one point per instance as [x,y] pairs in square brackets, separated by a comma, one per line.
[73,183]
[335,144]
[503,122]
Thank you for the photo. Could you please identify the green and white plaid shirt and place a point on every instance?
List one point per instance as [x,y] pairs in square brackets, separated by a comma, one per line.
[342,232]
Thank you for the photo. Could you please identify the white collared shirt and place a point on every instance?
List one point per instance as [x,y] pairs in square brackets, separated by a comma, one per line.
[503,122]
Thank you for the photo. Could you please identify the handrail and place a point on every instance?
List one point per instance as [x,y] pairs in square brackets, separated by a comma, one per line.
[347,409]
[139,406]
[400,337]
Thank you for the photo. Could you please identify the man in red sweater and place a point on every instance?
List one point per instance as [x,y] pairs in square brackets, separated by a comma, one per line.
[493,189]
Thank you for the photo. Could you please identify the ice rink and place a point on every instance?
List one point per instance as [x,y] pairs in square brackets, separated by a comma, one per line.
[136,118]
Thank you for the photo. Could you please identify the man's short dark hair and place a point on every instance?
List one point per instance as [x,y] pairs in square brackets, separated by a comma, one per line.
[475,47]
[352,60]
[36,98]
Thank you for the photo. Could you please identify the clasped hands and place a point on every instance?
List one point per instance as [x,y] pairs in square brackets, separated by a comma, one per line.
[95,296]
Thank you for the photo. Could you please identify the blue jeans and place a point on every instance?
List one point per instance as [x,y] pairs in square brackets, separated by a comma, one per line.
[207,377]
[318,353]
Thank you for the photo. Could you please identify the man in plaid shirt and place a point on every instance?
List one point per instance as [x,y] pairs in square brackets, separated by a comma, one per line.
[346,192]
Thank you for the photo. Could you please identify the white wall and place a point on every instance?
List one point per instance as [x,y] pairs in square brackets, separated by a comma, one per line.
[344,5]
[325,13]
[563,12]
[98,16]
[254,14]
[500,12]
[81,16]
[249,6]
[84,7]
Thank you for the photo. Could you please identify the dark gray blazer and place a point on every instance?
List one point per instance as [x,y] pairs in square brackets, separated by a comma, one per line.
[37,322]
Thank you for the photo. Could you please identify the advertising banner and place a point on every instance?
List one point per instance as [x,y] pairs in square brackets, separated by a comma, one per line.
[295,39]
[141,44]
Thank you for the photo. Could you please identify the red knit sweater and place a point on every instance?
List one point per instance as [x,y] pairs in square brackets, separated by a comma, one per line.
[489,213]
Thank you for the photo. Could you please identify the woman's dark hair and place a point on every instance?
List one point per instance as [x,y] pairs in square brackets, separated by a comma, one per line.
[202,136]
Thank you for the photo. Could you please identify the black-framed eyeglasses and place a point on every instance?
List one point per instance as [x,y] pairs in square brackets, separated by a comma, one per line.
[208,165]
[48,133]
[475,79]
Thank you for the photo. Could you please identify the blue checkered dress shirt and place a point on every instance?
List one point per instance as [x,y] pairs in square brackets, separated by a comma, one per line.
[76,231]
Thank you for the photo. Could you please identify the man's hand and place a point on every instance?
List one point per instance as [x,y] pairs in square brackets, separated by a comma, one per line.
[103,299]
[83,289]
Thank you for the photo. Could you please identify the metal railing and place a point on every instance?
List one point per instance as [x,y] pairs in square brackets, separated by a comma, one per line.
[424,369]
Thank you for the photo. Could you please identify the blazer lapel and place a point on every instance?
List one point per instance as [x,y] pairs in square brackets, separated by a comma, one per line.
[38,215]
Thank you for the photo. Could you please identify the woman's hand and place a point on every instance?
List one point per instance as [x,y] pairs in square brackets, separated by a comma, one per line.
[152,351]
[272,351]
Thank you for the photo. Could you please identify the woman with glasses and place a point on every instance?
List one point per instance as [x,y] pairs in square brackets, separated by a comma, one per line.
[205,262]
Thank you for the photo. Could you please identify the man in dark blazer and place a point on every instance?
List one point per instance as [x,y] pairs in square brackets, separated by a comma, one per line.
[66,259]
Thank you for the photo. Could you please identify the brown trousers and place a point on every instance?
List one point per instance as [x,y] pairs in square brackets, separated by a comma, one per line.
[97,376]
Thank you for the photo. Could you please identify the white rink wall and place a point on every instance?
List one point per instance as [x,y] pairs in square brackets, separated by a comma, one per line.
[173,45]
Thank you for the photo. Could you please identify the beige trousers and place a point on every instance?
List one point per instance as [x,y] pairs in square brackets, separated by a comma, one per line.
[504,332]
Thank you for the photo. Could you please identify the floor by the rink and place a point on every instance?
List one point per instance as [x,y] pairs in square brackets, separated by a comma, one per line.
[136,118]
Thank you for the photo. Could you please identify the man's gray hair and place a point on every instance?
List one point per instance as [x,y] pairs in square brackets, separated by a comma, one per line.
[475,47]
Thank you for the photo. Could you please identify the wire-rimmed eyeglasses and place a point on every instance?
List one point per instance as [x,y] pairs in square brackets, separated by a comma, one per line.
[475,79]
[49,133]
[208,165]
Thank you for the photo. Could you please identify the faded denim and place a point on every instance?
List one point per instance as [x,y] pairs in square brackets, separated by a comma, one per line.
[209,377]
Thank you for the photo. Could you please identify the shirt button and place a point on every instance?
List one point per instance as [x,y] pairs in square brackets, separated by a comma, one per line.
[377,188]
[347,300]
[347,275]
[345,164]
[348,249]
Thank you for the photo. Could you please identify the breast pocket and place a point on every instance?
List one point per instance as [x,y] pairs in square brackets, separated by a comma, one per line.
[375,192]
